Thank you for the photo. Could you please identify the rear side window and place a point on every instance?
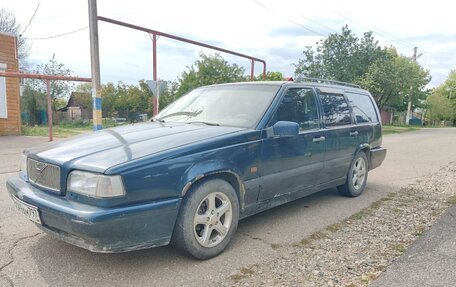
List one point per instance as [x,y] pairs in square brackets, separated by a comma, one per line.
[336,110]
[363,108]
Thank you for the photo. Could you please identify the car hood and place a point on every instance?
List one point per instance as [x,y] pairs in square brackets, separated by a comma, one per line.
[103,149]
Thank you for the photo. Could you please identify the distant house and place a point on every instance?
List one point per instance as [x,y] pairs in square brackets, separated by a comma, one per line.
[79,107]
[10,111]
[386,116]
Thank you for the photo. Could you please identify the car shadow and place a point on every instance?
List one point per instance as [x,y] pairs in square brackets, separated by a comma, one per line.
[61,263]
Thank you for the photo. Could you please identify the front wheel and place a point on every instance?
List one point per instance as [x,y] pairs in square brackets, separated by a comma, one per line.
[207,220]
[356,177]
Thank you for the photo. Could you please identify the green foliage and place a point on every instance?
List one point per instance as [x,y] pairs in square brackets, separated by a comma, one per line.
[169,95]
[33,102]
[270,76]
[59,89]
[208,70]
[390,77]
[342,57]
[84,88]
[442,102]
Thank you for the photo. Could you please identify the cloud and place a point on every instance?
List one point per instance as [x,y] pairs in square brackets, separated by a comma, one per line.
[434,38]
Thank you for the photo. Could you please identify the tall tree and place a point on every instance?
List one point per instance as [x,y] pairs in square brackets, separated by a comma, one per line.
[344,57]
[8,24]
[341,56]
[208,70]
[59,89]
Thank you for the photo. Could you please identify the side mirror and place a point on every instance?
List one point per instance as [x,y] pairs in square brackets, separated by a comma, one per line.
[285,129]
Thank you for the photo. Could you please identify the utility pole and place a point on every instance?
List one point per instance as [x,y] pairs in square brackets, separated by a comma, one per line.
[95,65]
[155,101]
[409,106]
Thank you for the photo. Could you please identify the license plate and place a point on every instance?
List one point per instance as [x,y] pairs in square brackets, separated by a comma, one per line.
[28,210]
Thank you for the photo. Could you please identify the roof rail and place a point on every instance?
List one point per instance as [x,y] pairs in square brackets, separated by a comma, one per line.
[325,81]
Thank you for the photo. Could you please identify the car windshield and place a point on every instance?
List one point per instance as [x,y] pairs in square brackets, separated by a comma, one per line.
[226,105]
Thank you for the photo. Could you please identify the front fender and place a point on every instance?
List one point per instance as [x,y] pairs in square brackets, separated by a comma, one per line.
[209,168]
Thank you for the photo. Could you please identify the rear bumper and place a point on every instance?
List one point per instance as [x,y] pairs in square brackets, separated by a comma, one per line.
[377,155]
[105,230]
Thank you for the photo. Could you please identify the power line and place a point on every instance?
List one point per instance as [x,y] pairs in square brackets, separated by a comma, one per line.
[59,35]
[31,18]
[381,32]
[290,20]
[316,22]
[405,43]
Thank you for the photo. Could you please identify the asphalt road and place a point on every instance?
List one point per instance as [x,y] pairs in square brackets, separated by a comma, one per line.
[430,261]
[28,257]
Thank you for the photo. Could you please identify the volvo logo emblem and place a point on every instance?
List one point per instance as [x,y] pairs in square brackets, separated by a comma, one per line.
[40,167]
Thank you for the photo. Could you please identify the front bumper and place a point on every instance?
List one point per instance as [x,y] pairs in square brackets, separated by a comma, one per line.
[377,156]
[97,229]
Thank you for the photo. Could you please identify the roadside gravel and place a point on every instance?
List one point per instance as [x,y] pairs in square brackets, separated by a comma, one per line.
[356,250]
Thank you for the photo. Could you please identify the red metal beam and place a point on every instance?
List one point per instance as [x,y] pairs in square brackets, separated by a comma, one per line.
[43,77]
[178,38]
[47,79]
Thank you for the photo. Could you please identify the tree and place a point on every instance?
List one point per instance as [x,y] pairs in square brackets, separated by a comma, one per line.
[9,25]
[33,102]
[393,78]
[442,102]
[342,57]
[390,77]
[59,89]
[208,70]
[270,76]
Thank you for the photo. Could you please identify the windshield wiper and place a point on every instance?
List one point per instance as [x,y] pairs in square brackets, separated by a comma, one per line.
[206,123]
[191,114]
[157,120]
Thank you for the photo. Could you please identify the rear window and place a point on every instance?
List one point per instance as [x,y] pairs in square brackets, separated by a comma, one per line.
[363,108]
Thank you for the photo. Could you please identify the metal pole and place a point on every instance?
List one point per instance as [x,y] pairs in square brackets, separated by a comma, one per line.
[264,70]
[154,54]
[49,108]
[95,65]
[252,70]
[174,37]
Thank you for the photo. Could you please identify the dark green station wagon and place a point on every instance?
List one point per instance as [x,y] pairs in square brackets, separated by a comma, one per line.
[216,155]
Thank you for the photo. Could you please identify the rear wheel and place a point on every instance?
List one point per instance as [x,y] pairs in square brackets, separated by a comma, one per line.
[208,219]
[356,177]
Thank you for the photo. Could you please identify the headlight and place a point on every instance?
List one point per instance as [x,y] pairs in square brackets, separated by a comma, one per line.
[23,167]
[95,185]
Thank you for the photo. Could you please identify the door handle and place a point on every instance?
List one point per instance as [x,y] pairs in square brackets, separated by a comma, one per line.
[355,133]
[318,139]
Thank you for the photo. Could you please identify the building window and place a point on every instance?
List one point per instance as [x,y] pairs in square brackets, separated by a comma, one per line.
[3,109]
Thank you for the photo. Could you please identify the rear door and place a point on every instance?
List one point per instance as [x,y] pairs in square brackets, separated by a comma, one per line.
[365,116]
[340,134]
[291,164]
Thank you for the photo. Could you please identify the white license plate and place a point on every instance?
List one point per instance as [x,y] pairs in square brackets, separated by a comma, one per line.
[28,210]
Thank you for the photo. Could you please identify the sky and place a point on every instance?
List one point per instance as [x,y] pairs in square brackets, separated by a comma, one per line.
[276,31]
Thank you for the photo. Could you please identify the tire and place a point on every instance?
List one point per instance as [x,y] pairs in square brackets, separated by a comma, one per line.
[207,220]
[356,177]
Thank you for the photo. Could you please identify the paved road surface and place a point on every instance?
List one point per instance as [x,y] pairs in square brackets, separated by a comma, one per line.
[34,258]
[430,261]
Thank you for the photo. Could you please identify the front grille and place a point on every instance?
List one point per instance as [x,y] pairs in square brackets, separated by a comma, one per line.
[44,174]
